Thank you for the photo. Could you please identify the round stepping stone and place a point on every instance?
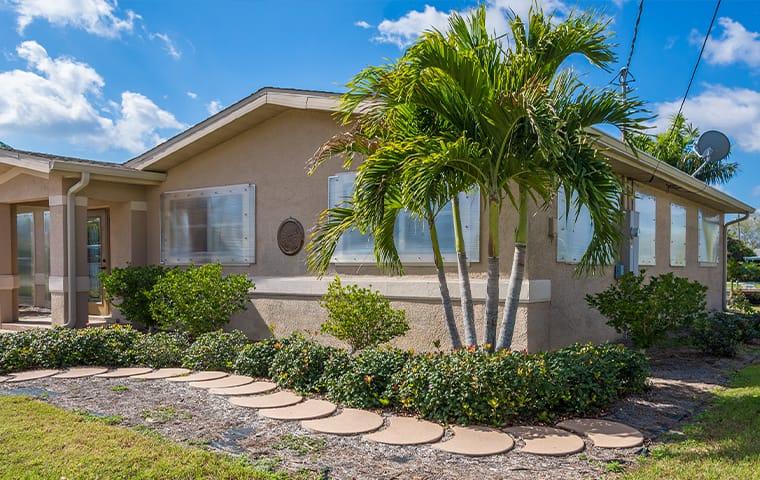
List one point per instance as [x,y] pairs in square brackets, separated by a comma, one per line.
[351,421]
[603,433]
[273,400]
[2,379]
[476,442]
[547,440]
[226,382]
[31,375]
[254,388]
[162,373]
[124,372]
[407,431]
[81,372]
[301,411]
[198,377]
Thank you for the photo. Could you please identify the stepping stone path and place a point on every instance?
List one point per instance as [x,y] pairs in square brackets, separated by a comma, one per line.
[273,400]
[226,382]
[199,377]
[81,372]
[605,434]
[162,373]
[254,388]
[301,411]
[351,421]
[547,440]
[124,372]
[476,442]
[317,416]
[407,431]
[31,375]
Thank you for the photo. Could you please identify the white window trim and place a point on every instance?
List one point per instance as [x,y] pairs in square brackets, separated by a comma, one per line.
[249,211]
[685,236]
[716,261]
[640,196]
[472,247]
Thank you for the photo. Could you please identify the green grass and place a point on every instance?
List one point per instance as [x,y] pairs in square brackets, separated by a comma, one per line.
[39,441]
[723,443]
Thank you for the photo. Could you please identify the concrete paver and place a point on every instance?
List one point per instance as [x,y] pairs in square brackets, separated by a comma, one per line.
[254,388]
[301,411]
[199,377]
[125,372]
[81,372]
[604,433]
[476,442]
[272,400]
[407,431]
[547,440]
[351,421]
[31,375]
[162,373]
[226,382]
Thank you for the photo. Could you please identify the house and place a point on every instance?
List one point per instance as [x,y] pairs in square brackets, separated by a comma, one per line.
[234,189]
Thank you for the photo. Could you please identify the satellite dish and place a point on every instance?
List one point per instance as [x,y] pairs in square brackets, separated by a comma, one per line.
[713,146]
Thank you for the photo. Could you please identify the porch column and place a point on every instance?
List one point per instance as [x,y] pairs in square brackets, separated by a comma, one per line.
[58,282]
[9,281]
[41,261]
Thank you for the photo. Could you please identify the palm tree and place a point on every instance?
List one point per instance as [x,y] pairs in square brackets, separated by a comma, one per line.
[674,146]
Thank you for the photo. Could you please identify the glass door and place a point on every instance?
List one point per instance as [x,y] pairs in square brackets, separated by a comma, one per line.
[98,259]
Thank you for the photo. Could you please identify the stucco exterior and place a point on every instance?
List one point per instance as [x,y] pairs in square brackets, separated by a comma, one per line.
[267,143]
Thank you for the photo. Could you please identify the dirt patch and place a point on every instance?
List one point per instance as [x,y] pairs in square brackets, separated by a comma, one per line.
[682,382]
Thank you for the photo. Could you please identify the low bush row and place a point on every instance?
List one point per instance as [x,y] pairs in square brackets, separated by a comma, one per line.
[464,386]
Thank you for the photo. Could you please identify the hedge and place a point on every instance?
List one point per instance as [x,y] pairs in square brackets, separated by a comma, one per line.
[463,386]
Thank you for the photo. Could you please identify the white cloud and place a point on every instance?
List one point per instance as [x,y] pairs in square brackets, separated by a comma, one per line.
[734,111]
[214,107]
[404,30]
[192,95]
[756,191]
[362,24]
[94,16]
[736,44]
[62,97]
[168,43]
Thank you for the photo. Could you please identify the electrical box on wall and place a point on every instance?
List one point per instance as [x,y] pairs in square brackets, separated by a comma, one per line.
[630,247]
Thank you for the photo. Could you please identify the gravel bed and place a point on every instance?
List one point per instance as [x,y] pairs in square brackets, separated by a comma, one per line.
[682,382]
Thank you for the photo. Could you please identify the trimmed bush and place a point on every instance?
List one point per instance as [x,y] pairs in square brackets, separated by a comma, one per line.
[361,317]
[215,351]
[718,335]
[198,300]
[300,364]
[366,383]
[255,359]
[161,349]
[647,312]
[128,289]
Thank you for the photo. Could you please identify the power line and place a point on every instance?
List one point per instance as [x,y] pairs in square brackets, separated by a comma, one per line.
[623,76]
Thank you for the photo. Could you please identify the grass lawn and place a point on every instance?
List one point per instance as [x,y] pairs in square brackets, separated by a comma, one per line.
[724,442]
[38,440]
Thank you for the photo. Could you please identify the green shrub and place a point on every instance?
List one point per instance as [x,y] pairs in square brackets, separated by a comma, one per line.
[199,299]
[366,383]
[215,351]
[128,288]
[360,317]
[647,312]
[718,334]
[109,347]
[301,363]
[161,349]
[255,359]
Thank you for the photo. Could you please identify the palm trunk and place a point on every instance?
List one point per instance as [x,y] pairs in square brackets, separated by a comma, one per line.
[515,276]
[448,309]
[492,281]
[468,311]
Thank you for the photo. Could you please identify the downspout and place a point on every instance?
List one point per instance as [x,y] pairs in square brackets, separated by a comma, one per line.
[71,248]
[725,255]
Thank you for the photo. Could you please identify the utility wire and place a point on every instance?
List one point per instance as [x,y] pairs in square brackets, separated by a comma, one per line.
[635,35]
[624,77]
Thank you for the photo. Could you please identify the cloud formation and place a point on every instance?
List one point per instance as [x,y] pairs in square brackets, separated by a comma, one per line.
[214,106]
[168,44]
[63,97]
[98,17]
[735,44]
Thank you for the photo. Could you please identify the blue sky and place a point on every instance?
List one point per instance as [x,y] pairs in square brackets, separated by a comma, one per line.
[101,80]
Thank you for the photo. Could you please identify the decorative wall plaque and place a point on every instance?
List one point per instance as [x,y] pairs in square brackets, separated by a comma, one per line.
[290,236]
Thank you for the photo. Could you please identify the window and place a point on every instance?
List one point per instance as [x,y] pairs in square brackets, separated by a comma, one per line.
[574,229]
[677,235]
[709,233]
[646,205]
[412,236]
[208,225]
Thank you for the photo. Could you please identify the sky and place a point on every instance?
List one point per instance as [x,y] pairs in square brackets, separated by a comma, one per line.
[105,80]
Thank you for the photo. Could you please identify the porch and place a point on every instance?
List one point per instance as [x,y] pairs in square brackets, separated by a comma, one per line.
[38,195]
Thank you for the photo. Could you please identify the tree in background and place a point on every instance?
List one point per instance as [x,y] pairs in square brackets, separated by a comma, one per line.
[674,146]
[748,231]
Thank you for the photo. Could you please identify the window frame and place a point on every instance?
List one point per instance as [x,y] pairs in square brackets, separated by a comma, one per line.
[685,235]
[639,195]
[560,201]
[700,230]
[470,227]
[248,190]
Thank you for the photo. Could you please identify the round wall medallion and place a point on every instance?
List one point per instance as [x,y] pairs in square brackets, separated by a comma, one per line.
[290,236]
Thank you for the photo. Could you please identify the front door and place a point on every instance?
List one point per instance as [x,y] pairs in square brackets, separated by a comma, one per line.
[98,259]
